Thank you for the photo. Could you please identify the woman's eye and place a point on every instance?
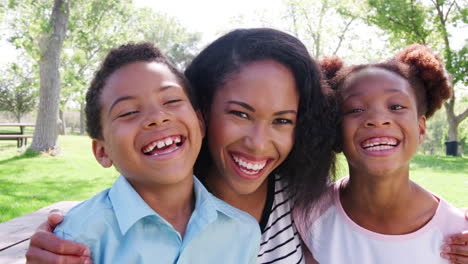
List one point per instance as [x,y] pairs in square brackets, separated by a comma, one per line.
[239,114]
[282,121]
[127,114]
[396,107]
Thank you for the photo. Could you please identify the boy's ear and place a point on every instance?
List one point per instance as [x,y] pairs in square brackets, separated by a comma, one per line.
[99,151]
[422,128]
[201,120]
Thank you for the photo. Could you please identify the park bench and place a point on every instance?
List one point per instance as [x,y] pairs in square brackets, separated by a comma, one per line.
[20,136]
[21,139]
[15,233]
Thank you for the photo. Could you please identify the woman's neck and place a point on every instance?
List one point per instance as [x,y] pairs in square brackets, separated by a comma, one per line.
[252,203]
[390,204]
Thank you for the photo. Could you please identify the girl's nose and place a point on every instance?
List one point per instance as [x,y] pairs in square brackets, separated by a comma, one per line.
[377,119]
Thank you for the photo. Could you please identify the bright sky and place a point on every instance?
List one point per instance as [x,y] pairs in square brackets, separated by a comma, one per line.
[209,16]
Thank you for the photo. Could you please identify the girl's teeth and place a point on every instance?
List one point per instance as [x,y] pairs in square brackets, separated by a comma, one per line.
[177,140]
[168,141]
[161,144]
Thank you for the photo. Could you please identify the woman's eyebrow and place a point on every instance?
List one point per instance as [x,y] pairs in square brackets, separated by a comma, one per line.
[245,105]
[285,112]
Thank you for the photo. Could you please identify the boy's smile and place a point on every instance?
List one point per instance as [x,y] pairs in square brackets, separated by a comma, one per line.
[151,132]
[381,127]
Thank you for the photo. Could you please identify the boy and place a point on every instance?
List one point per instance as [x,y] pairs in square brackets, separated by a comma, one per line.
[140,115]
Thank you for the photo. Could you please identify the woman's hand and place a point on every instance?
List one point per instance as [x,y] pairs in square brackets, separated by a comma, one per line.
[45,247]
[455,248]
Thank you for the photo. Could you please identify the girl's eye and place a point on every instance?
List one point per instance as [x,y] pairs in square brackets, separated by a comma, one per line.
[355,110]
[127,114]
[396,107]
[239,114]
[282,121]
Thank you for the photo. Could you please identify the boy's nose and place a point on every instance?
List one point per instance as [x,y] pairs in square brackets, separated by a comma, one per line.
[156,118]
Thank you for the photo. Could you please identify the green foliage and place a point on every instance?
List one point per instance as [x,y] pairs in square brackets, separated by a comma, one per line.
[18,90]
[407,20]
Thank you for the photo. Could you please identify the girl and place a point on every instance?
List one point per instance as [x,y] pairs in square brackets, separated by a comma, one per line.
[378,215]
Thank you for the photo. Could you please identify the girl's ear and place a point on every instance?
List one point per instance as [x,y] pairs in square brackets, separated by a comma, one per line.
[422,128]
[100,153]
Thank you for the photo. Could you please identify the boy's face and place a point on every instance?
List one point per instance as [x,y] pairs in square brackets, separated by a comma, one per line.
[151,132]
[381,128]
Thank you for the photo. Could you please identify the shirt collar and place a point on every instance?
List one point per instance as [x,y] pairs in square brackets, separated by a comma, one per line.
[128,205]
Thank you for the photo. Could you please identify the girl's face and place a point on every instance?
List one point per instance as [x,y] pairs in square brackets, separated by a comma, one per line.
[381,126]
[251,125]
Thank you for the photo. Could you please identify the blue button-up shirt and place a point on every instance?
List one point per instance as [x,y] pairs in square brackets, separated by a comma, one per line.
[119,227]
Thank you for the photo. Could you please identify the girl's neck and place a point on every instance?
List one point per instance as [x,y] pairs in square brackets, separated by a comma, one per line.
[390,204]
[252,203]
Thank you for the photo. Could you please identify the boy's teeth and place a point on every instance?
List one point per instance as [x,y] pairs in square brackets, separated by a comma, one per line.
[162,143]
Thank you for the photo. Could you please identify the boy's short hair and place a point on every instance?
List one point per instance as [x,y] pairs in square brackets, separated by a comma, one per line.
[116,59]
[417,64]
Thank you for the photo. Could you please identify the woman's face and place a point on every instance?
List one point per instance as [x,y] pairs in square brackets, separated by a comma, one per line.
[251,124]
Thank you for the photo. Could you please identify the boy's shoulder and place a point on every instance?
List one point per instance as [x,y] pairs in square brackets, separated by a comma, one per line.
[96,209]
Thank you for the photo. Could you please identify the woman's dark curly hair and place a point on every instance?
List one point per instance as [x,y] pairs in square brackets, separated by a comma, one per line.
[417,64]
[116,59]
[311,162]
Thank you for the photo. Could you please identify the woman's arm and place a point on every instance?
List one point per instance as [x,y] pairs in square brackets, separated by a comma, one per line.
[456,246]
[45,247]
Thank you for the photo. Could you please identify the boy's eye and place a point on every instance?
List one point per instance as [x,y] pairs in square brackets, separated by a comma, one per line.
[396,107]
[172,101]
[127,114]
[239,114]
[282,121]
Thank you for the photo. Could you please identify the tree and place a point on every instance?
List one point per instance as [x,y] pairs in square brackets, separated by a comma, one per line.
[413,21]
[18,91]
[50,47]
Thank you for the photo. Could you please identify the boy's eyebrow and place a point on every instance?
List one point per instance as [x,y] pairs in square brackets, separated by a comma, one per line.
[123,98]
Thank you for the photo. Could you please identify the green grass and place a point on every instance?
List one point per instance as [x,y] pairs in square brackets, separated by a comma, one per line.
[445,176]
[29,181]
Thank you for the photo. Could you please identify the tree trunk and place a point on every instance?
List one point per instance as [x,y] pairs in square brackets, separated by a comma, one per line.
[45,132]
[62,126]
[82,118]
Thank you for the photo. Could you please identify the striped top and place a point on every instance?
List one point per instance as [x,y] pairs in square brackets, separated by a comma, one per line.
[280,243]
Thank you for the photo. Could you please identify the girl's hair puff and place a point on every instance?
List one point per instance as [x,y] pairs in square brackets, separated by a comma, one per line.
[417,64]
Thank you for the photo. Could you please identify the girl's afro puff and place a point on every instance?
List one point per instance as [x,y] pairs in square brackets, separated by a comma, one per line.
[417,64]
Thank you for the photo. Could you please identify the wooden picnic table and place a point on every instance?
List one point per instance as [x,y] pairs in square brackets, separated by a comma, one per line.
[15,233]
[20,136]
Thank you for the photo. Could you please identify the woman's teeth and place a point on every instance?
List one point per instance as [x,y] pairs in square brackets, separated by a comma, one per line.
[248,166]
